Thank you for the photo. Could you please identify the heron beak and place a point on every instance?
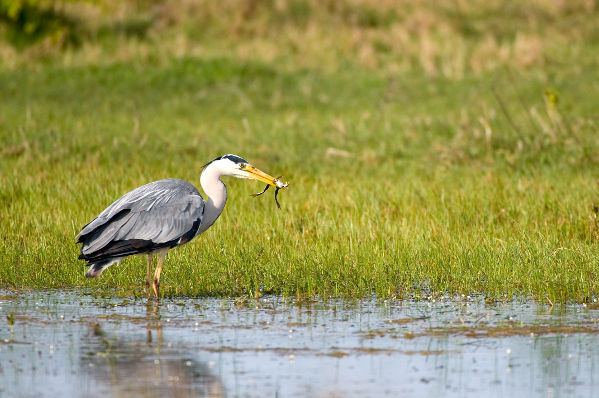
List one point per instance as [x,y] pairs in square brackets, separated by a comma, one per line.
[259,175]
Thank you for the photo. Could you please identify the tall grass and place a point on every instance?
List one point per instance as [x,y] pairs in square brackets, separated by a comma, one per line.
[420,169]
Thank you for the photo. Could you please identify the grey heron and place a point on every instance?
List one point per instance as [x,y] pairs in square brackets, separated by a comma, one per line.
[158,216]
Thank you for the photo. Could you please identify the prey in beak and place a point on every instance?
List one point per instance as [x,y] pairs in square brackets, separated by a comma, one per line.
[259,175]
[268,179]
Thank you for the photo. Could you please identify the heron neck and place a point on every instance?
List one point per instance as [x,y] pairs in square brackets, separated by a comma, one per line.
[216,193]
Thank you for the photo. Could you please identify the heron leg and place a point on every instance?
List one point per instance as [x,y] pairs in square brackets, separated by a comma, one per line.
[156,284]
[149,275]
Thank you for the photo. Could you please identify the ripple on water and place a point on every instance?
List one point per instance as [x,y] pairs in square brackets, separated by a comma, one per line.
[57,342]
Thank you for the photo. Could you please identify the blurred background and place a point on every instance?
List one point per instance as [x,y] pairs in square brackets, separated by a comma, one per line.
[451,38]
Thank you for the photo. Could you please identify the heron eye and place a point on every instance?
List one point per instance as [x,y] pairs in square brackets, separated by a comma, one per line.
[242,165]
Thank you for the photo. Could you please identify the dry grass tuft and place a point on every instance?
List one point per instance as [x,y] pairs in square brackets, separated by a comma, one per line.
[450,39]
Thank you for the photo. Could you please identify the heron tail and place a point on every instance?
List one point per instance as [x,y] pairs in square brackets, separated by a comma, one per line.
[97,267]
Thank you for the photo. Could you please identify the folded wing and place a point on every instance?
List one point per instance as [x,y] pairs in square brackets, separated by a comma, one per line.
[160,214]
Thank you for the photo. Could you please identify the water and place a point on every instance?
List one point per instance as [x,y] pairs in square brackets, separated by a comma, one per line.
[75,345]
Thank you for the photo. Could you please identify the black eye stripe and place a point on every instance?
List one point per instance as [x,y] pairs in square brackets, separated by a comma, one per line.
[233,158]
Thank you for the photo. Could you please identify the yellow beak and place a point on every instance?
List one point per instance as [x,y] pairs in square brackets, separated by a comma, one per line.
[261,176]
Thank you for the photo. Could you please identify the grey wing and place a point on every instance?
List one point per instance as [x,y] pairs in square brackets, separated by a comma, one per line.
[163,213]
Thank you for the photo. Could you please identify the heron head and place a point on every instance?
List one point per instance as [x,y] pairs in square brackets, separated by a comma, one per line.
[235,166]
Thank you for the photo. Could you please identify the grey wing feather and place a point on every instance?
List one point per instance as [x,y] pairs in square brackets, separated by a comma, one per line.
[159,212]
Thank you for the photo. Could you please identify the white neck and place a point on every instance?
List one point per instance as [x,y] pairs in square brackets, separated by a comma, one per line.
[216,192]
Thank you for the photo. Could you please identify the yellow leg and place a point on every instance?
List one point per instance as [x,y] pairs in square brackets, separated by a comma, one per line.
[156,284]
[149,275]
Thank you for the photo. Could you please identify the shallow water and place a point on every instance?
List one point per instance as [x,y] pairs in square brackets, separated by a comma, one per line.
[56,343]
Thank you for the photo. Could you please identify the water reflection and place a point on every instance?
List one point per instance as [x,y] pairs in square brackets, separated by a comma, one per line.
[123,367]
[68,343]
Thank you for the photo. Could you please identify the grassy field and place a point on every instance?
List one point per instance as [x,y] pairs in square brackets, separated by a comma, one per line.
[430,149]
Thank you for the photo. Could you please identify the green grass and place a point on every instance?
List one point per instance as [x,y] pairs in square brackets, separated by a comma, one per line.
[476,184]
